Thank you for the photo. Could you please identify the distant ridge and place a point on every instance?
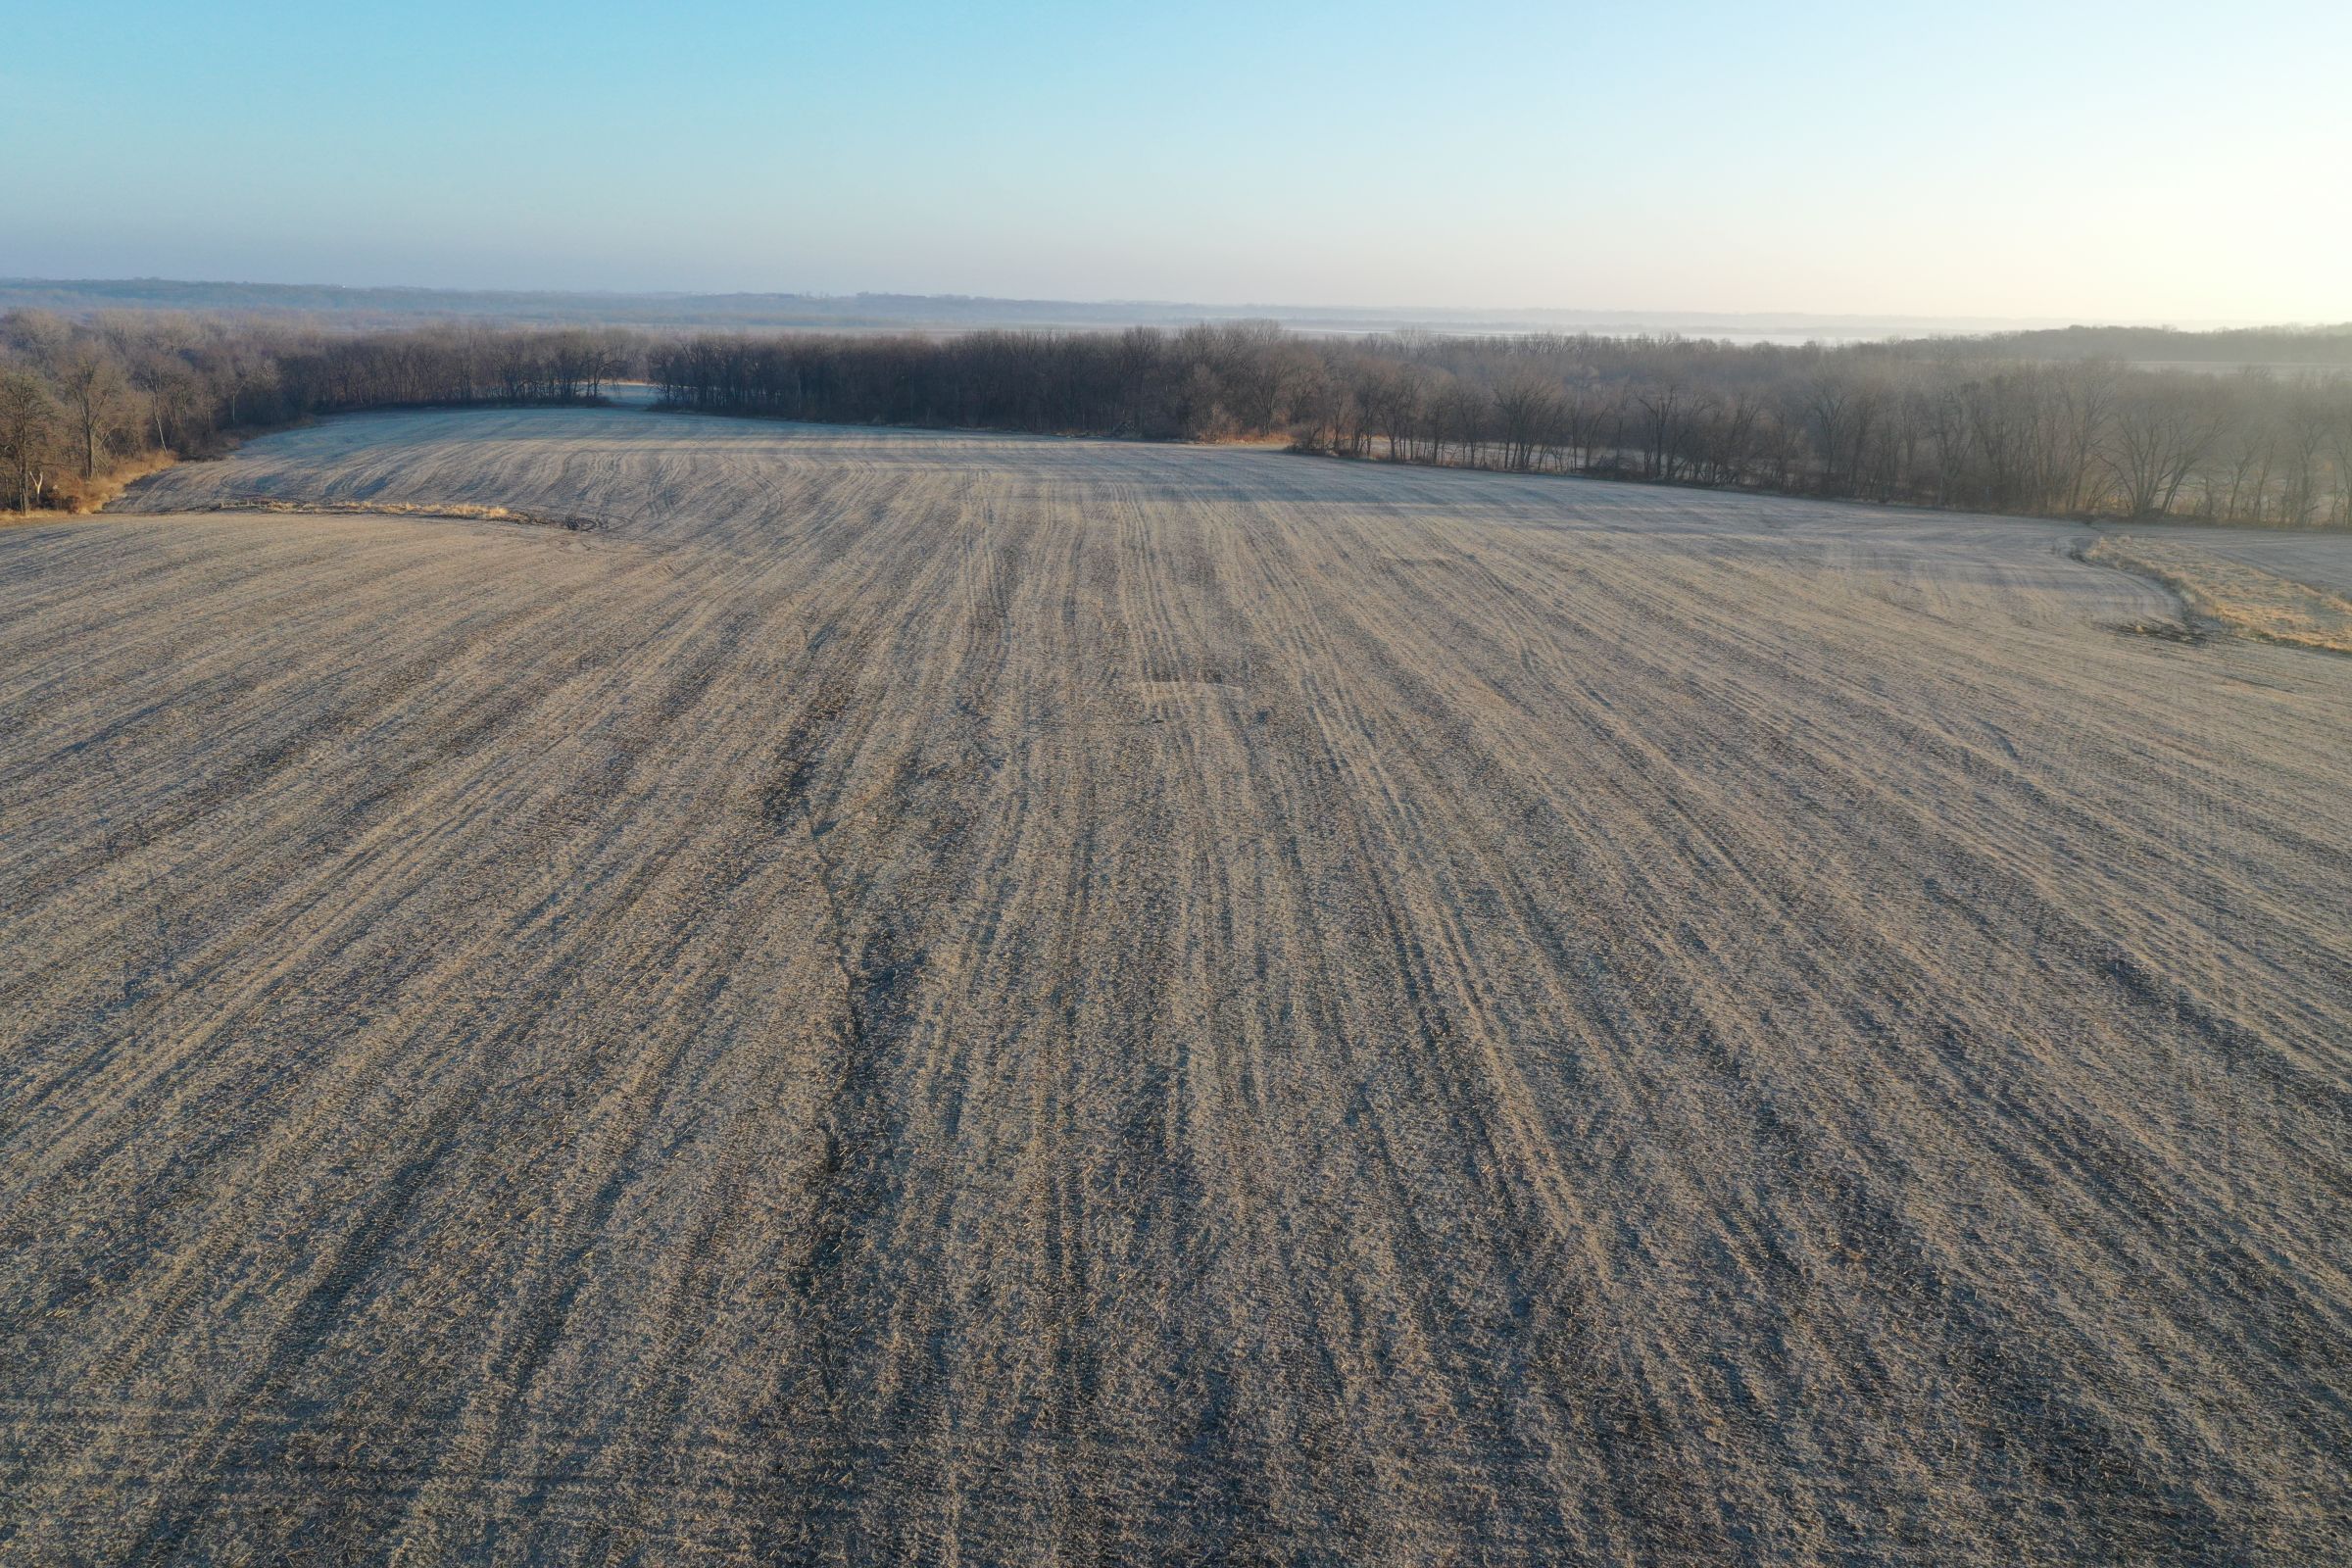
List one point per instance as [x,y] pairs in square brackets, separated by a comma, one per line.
[929,312]
[2194,343]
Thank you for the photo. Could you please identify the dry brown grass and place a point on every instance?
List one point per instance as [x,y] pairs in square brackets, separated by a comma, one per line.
[85,496]
[2234,593]
[969,1000]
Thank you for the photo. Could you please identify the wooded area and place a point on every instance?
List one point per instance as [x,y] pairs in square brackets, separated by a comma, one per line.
[82,402]
[1972,424]
[1919,422]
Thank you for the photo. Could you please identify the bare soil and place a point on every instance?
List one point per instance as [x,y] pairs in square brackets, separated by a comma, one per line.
[969,1000]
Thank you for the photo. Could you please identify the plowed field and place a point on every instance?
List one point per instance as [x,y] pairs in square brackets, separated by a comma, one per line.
[916,998]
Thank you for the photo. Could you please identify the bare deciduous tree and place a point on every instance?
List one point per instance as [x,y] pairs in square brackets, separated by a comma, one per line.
[29,425]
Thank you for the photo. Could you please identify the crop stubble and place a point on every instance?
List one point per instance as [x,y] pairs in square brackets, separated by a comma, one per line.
[915,997]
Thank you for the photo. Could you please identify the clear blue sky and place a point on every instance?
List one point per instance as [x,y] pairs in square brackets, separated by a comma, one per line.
[2108,160]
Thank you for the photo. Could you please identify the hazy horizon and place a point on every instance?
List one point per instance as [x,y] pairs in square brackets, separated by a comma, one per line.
[2111,164]
[1434,310]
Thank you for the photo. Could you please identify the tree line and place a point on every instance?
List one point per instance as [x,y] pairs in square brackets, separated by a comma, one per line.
[1923,422]
[82,402]
[1947,422]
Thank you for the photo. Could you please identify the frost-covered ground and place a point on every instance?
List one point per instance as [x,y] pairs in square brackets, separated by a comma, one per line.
[956,999]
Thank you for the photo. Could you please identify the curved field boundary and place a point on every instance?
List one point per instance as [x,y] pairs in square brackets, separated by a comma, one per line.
[2235,594]
[570,523]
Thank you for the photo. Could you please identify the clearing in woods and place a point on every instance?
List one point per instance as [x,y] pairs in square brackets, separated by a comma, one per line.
[964,999]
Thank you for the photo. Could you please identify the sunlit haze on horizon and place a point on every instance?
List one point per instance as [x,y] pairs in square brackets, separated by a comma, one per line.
[2080,162]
